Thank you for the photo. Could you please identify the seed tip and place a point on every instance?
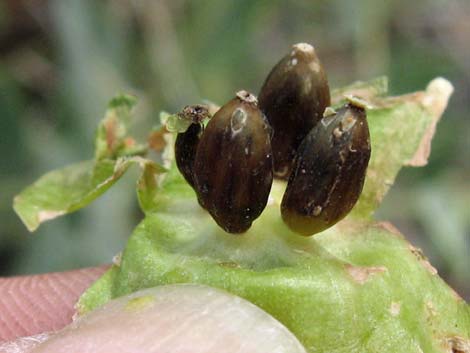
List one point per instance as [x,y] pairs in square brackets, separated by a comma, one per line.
[357,101]
[195,113]
[247,97]
[304,47]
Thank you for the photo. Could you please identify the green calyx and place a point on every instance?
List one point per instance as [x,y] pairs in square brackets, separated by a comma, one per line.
[356,287]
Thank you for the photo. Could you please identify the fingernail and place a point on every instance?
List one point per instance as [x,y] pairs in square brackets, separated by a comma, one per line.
[175,318]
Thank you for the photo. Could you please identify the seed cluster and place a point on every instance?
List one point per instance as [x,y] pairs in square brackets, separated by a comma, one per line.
[292,134]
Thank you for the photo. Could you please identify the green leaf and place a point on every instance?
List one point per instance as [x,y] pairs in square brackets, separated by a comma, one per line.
[401,129]
[71,188]
[112,140]
[367,90]
[344,291]
[66,190]
[147,185]
[174,122]
[357,287]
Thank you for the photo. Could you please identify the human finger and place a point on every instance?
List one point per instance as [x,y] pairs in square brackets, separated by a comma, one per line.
[31,305]
[175,318]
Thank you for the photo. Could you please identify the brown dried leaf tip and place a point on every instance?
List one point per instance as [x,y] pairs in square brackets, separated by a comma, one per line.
[329,172]
[293,97]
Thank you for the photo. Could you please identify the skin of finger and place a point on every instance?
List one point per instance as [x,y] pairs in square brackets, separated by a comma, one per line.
[176,318]
[31,305]
[24,344]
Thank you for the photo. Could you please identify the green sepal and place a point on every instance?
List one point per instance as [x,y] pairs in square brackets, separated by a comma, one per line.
[68,189]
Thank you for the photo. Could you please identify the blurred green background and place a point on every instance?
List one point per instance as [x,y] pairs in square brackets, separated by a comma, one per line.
[61,61]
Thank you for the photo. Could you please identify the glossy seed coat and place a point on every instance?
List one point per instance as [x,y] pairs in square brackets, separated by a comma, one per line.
[185,151]
[187,142]
[233,165]
[329,172]
[293,98]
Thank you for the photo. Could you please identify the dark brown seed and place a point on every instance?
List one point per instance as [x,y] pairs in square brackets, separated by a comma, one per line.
[185,151]
[329,172]
[233,165]
[187,142]
[293,97]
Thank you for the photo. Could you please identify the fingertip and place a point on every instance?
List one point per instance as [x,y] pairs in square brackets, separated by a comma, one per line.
[30,305]
[175,318]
